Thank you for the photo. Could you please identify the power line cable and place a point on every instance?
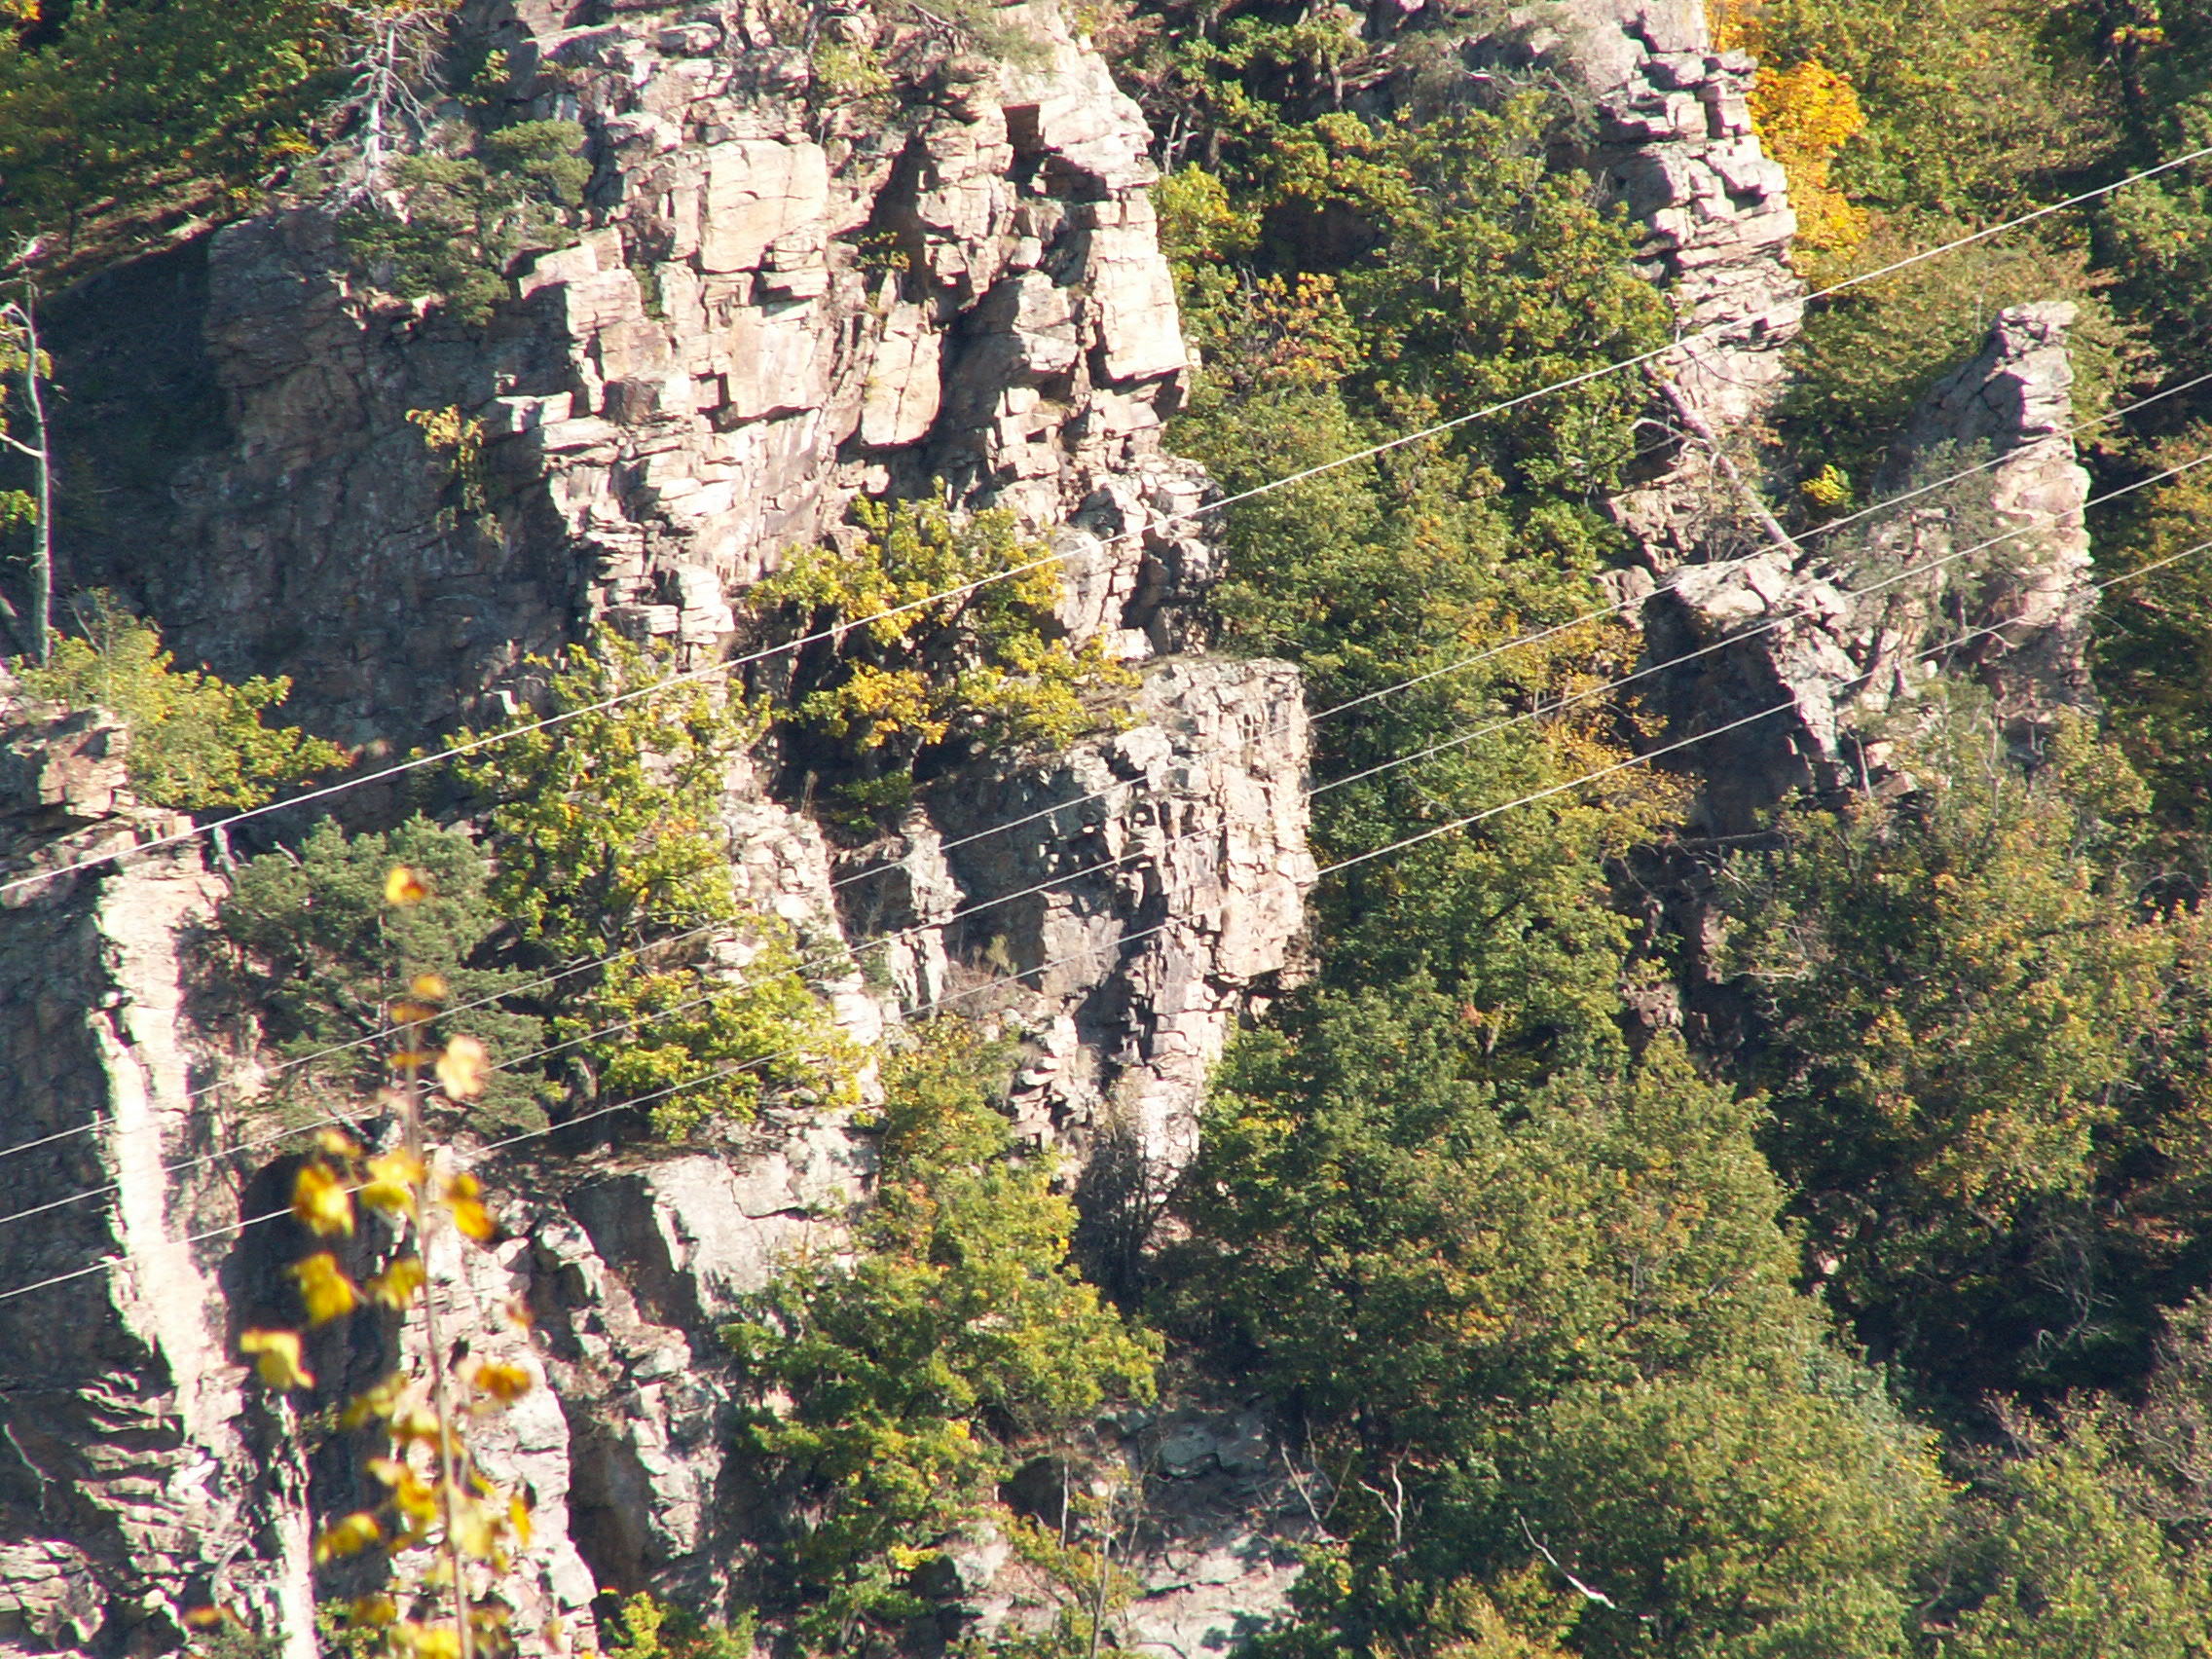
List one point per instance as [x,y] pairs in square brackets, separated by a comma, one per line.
[848,951]
[1533,798]
[1712,331]
[1553,631]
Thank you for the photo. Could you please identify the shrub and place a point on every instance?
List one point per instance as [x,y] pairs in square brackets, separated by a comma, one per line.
[460,221]
[607,831]
[326,955]
[988,667]
[893,1387]
[197,742]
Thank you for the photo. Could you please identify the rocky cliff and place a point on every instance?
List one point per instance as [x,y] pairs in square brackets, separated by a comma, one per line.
[788,291]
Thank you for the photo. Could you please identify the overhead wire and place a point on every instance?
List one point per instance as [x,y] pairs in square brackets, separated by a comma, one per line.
[846,953]
[1487,653]
[1419,838]
[1712,331]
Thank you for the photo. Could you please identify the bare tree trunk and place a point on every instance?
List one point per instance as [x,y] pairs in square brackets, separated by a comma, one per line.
[36,630]
[42,554]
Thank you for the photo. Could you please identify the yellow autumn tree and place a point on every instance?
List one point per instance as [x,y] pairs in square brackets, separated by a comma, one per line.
[1803,115]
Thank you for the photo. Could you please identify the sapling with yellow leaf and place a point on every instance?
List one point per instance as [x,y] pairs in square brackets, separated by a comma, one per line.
[449,1533]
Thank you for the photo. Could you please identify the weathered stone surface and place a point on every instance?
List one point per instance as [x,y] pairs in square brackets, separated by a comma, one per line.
[1676,149]
[1146,887]
[1850,637]
[778,302]
[774,308]
[133,1482]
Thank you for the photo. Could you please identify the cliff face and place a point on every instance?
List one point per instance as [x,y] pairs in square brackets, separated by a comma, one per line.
[784,297]
[131,1469]
[1849,634]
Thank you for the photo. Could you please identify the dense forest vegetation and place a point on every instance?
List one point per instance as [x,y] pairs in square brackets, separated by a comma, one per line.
[1882,1327]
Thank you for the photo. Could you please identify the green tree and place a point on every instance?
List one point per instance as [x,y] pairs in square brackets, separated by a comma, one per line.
[1510,1327]
[1972,1033]
[197,742]
[326,955]
[2154,656]
[607,840]
[909,683]
[116,119]
[896,1386]
[2055,1557]
[457,223]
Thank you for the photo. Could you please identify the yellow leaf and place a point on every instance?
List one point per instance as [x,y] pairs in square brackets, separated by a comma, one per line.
[463,1067]
[412,1495]
[373,1611]
[469,1213]
[504,1383]
[338,1143]
[518,1518]
[430,988]
[320,1201]
[472,1533]
[371,1404]
[404,888]
[348,1535]
[327,1292]
[396,1285]
[391,1183]
[431,1641]
[415,1421]
[277,1358]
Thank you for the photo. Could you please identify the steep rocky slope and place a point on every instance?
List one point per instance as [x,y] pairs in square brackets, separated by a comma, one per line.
[782,300]
[779,303]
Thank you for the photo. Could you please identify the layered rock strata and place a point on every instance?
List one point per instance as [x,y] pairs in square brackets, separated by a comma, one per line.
[1128,900]
[1674,147]
[1849,633]
[788,290]
[135,1477]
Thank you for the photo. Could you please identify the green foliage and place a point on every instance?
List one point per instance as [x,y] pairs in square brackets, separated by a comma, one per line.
[1970,113]
[895,1387]
[990,667]
[2157,236]
[653,1629]
[16,506]
[114,114]
[1562,1326]
[1972,1035]
[1475,272]
[606,833]
[326,956]
[1359,278]
[2154,652]
[1868,355]
[769,1033]
[197,742]
[461,220]
[2057,1555]
[605,826]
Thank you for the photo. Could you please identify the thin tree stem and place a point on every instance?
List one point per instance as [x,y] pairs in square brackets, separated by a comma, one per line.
[441,1392]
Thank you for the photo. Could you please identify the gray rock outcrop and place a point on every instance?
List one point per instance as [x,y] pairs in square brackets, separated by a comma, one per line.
[1674,147]
[132,1484]
[786,294]
[1128,902]
[1851,632]
[781,300]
